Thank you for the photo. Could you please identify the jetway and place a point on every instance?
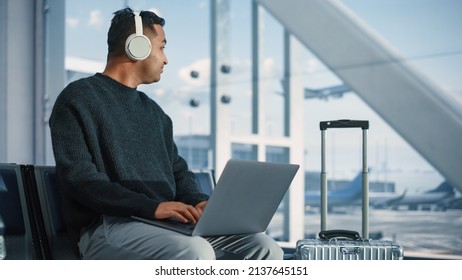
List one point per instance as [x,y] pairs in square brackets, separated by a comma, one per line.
[421,112]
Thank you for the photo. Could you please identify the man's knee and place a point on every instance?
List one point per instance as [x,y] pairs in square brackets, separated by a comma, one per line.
[195,248]
[269,249]
[275,252]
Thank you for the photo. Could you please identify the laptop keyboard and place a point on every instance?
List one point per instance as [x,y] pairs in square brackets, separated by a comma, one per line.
[188,226]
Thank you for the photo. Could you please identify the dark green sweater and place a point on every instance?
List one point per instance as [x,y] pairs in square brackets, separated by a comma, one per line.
[115,153]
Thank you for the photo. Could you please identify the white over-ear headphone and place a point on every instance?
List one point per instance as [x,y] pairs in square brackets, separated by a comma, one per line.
[138,47]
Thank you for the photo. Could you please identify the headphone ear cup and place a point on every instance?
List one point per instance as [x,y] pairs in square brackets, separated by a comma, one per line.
[138,47]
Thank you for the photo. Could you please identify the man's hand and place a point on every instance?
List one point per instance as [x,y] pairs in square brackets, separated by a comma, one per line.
[179,210]
[200,207]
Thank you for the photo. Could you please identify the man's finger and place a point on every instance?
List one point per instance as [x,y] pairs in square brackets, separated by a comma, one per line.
[190,213]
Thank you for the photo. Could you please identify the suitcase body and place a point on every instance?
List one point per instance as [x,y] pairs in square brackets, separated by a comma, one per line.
[337,249]
[346,244]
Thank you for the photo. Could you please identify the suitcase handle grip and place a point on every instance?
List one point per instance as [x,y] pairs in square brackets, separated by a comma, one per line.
[330,234]
[344,124]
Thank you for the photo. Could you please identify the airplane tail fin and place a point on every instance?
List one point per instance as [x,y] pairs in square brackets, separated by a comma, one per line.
[443,187]
[354,189]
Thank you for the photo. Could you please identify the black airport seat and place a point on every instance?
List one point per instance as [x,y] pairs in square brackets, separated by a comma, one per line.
[20,233]
[56,238]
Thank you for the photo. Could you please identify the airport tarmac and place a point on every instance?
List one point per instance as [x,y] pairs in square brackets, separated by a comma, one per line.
[423,234]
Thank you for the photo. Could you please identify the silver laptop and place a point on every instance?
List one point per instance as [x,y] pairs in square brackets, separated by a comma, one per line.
[244,200]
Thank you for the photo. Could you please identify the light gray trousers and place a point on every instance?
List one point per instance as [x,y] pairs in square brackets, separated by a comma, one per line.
[127,239]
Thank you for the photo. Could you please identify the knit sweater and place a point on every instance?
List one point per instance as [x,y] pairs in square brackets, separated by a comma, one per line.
[115,153]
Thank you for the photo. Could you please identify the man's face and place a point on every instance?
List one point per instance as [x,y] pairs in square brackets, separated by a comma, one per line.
[154,64]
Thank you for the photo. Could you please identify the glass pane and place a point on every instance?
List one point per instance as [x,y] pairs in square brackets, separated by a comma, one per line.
[244,151]
[240,76]
[272,76]
[277,154]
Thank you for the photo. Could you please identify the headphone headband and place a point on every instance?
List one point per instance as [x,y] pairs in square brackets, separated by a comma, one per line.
[138,24]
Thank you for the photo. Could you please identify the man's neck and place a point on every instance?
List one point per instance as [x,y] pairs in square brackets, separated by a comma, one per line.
[123,72]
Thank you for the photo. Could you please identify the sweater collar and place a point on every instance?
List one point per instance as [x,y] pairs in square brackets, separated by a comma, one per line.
[119,86]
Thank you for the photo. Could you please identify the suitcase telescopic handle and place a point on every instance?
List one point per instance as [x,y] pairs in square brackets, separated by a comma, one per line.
[339,233]
[344,124]
[364,125]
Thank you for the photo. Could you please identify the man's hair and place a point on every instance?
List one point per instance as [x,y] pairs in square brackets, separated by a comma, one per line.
[123,25]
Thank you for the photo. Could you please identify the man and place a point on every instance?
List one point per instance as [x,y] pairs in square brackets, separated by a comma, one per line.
[115,157]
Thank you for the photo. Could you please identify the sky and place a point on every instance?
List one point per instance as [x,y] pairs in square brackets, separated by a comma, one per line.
[427,33]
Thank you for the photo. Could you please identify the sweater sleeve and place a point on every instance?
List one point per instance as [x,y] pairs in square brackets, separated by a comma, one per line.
[78,176]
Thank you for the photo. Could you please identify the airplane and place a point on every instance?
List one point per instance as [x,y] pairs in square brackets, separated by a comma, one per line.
[432,197]
[350,195]
[380,200]
[326,93]
[322,93]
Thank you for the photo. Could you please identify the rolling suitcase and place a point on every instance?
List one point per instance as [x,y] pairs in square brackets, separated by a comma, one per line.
[346,244]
